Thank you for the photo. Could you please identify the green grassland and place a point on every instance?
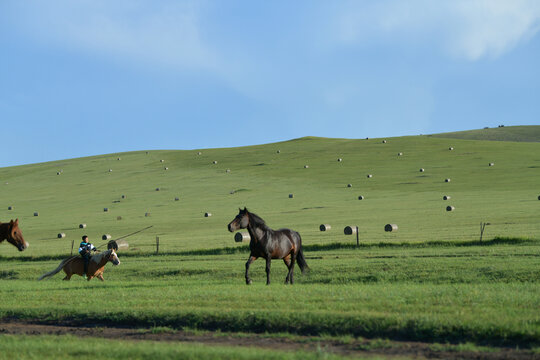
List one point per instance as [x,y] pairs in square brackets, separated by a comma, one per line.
[432,280]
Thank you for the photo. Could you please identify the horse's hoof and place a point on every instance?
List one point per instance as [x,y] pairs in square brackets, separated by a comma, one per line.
[248,282]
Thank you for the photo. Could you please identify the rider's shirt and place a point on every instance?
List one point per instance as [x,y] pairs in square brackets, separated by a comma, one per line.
[85,248]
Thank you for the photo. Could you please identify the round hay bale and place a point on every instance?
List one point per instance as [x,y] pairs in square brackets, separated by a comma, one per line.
[106,237]
[157,189]
[422,170]
[10,208]
[339,159]
[384,141]
[147,214]
[58,173]
[450,148]
[118,218]
[214,162]
[349,185]
[110,170]
[118,159]
[291,196]
[123,196]
[166,168]
[207,214]
[399,154]
[349,230]
[242,237]
[278,151]
[122,245]
[446,180]
[538,197]
[390,227]
[105,209]
[199,153]
[491,164]
[361,197]
[325,227]
[82,226]
[369,176]
[446,197]
[162,161]
[112,245]
[176,198]
[450,208]
[61,235]
[36,214]
[306,166]
[228,170]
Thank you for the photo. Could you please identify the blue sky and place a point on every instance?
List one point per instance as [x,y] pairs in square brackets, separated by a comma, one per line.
[89,77]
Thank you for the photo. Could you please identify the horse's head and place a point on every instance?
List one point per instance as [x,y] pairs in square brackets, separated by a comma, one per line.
[114,258]
[15,236]
[241,221]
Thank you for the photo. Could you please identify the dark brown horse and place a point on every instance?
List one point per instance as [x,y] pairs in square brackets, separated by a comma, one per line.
[75,265]
[270,244]
[12,233]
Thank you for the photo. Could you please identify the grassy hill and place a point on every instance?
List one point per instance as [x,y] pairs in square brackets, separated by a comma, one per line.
[261,178]
[506,133]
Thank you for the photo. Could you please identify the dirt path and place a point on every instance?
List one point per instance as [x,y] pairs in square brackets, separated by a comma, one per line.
[354,347]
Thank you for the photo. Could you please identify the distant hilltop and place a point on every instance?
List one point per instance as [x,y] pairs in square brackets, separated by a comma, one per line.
[529,133]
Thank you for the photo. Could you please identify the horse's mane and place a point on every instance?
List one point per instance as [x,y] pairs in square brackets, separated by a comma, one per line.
[99,256]
[257,221]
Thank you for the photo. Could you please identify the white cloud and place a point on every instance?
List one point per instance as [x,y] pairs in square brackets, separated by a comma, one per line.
[160,34]
[466,29]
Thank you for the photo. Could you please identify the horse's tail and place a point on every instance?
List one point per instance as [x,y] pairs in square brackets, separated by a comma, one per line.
[300,259]
[57,270]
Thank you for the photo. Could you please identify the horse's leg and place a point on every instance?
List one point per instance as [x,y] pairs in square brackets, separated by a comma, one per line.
[287,261]
[268,260]
[250,260]
[100,277]
[291,270]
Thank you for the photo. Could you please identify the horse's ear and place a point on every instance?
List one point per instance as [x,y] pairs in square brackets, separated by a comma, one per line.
[245,209]
[17,221]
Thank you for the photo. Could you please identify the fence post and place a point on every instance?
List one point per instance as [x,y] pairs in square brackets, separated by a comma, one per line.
[157,245]
[72,242]
[357,238]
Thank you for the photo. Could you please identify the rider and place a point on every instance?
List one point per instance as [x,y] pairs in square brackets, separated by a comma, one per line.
[84,249]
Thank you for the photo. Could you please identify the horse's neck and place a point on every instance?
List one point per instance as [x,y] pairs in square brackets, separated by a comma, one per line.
[101,259]
[3,231]
[257,232]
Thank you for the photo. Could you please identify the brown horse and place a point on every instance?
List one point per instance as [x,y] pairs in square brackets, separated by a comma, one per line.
[12,233]
[75,265]
[270,244]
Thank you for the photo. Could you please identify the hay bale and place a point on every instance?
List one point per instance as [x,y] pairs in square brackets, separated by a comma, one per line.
[361,197]
[339,159]
[123,196]
[82,226]
[349,230]
[390,227]
[105,209]
[106,237]
[147,214]
[399,154]
[214,162]
[491,164]
[207,214]
[450,148]
[446,197]
[291,196]
[118,218]
[36,214]
[450,208]
[538,197]
[176,198]
[122,245]
[118,159]
[422,170]
[162,161]
[199,153]
[384,141]
[10,208]
[369,176]
[58,173]
[110,170]
[228,170]
[61,235]
[446,180]
[324,227]
[166,168]
[157,189]
[242,237]
[306,166]
[349,185]
[278,151]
